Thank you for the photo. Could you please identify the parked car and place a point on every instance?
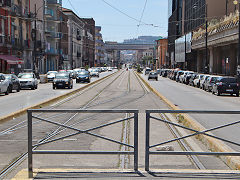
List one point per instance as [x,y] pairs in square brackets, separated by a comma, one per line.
[51,75]
[202,81]
[227,85]
[196,82]
[187,77]
[83,76]
[182,76]
[14,83]
[179,73]
[192,78]
[28,80]
[153,75]
[63,80]
[4,84]
[147,71]
[209,83]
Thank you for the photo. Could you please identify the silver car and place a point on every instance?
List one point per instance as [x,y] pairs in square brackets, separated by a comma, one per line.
[4,85]
[28,80]
[153,75]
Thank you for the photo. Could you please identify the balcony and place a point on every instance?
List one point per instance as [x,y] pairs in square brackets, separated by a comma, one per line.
[54,2]
[15,10]
[51,51]
[49,13]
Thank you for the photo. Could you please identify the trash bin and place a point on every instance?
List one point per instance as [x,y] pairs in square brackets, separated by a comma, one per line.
[43,78]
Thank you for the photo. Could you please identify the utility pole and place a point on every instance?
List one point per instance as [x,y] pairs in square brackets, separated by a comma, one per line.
[35,39]
[206,40]
[60,41]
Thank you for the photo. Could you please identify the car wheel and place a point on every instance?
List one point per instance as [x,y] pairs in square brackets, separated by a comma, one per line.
[36,86]
[33,88]
[69,86]
[7,92]
[156,79]
[218,93]
[54,87]
[237,94]
[18,89]
[10,89]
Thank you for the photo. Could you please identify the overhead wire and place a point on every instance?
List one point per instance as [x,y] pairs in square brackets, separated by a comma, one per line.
[144,7]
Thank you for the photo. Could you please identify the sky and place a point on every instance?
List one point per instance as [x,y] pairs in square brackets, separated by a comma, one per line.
[117,26]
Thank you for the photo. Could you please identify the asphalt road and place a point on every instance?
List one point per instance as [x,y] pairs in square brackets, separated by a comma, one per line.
[191,98]
[122,91]
[18,100]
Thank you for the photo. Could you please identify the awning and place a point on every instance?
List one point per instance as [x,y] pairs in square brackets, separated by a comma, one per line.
[11,59]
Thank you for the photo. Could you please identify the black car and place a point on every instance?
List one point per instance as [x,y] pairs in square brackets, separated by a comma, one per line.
[227,85]
[14,83]
[83,76]
[63,80]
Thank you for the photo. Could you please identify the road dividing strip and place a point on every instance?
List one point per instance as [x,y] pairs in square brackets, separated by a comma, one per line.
[50,101]
[212,143]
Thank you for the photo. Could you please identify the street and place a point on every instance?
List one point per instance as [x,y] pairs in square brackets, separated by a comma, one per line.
[121,91]
[191,98]
[26,97]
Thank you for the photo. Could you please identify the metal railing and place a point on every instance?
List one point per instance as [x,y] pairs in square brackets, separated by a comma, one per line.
[148,147]
[32,148]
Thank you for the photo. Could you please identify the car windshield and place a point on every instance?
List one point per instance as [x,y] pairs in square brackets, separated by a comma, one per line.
[214,79]
[228,80]
[62,76]
[25,76]
[7,76]
[83,73]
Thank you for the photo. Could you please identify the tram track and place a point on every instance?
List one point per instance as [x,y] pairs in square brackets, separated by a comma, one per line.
[124,159]
[59,130]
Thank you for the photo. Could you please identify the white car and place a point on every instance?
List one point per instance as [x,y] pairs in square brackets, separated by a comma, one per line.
[196,81]
[4,85]
[51,75]
[202,81]
[28,80]
[94,72]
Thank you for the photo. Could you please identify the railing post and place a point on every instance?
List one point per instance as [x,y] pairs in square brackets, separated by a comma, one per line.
[30,160]
[136,141]
[147,141]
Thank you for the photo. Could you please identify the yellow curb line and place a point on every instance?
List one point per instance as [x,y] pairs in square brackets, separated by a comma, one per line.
[49,101]
[23,174]
[213,144]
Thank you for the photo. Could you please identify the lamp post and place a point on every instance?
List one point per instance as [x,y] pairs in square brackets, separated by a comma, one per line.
[235,2]
[206,40]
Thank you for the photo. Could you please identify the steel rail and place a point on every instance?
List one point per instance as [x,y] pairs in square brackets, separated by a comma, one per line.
[194,159]
[21,158]
[10,129]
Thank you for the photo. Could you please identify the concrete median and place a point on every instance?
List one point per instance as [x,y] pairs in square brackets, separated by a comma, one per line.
[212,143]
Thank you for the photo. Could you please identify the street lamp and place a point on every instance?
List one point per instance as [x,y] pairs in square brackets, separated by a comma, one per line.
[235,2]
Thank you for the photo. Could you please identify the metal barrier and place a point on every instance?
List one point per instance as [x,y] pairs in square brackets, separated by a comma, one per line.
[31,147]
[195,132]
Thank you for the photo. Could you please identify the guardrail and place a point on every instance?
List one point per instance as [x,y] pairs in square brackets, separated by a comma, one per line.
[195,132]
[32,148]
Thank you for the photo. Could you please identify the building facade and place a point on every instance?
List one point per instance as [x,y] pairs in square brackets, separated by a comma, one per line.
[99,47]
[161,53]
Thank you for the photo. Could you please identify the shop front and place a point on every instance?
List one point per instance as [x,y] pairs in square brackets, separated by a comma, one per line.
[10,64]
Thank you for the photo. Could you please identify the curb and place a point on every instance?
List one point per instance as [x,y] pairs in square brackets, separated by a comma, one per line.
[49,101]
[213,144]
